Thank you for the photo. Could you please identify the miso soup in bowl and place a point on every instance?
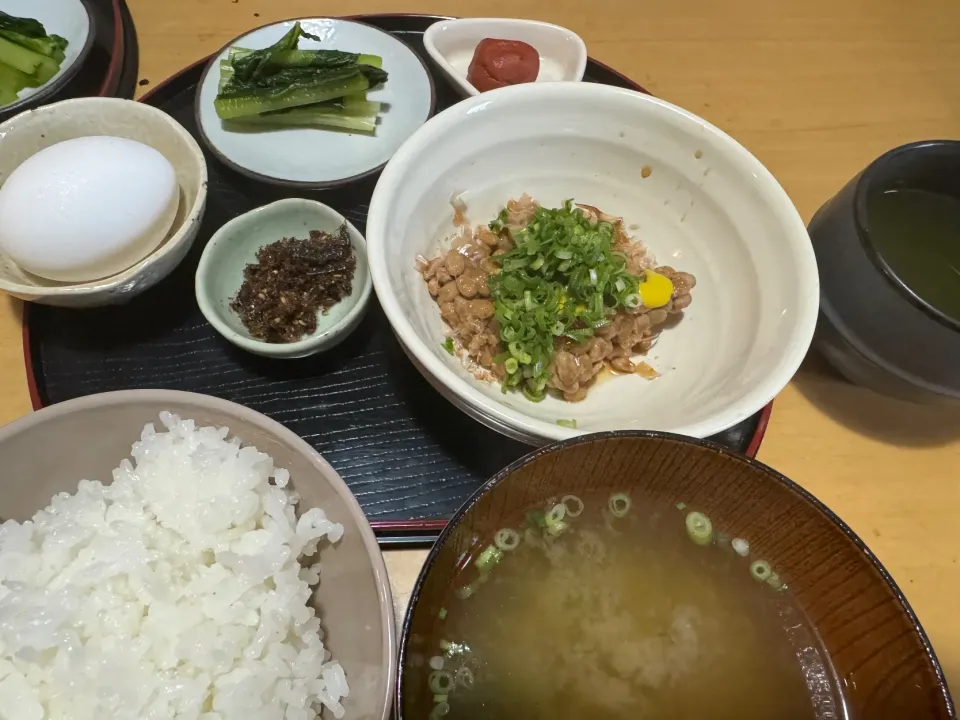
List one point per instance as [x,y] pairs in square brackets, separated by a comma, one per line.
[640,575]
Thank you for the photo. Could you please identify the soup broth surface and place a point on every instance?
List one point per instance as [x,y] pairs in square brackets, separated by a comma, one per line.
[918,234]
[624,617]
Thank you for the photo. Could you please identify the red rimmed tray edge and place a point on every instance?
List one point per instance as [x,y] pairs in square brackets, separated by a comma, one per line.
[403,526]
[110,80]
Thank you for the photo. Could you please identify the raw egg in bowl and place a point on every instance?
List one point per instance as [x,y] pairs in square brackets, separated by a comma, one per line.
[100,199]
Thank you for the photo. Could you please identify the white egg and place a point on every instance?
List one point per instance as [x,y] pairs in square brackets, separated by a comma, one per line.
[87,208]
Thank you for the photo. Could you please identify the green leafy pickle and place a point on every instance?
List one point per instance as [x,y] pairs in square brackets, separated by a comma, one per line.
[280,77]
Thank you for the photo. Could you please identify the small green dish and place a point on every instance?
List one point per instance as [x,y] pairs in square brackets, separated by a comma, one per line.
[235,245]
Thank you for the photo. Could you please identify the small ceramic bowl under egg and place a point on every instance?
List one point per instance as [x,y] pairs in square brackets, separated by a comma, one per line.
[451,44]
[30,132]
[235,245]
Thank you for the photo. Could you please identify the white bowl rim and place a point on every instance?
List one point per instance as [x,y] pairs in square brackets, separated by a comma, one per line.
[430,46]
[795,233]
[123,397]
[310,342]
[95,287]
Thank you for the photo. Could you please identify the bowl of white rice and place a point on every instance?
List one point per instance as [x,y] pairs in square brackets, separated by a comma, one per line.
[172,555]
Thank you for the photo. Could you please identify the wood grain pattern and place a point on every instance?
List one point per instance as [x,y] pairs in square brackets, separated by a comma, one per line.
[868,634]
[814,88]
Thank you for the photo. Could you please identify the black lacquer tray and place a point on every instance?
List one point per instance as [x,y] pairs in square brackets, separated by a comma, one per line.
[410,456]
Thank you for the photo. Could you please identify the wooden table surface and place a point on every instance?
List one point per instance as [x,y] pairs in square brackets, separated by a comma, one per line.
[816,89]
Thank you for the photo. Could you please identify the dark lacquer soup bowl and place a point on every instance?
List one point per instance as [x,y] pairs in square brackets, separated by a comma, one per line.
[854,646]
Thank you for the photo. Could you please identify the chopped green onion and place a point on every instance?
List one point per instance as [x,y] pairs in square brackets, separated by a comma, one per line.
[442,614]
[454,649]
[774,581]
[577,508]
[436,662]
[562,278]
[556,514]
[620,504]
[632,300]
[497,225]
[466,591]
[532,395]
[699,528]
[507,539]
[511,365]
[441,682]
[760,569]
[740,546]
[440,698]
[490,556]
[557,528]
[464,677]
[567,423]
[681,505]
[439,710]
[536,518]
[448,345]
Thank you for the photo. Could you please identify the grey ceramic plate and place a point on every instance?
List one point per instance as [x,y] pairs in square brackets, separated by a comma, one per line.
[310,158]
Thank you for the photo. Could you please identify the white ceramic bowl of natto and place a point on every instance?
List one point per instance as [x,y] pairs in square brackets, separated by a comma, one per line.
[695,197]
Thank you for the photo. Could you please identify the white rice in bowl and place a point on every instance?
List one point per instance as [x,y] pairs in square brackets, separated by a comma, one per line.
[175,592]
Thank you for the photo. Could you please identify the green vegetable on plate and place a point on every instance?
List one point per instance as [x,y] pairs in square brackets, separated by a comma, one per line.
[28,56]
[283,86]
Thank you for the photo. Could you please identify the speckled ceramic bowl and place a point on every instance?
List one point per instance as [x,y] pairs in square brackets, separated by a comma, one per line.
[235,245]
[26,134]
[93,434]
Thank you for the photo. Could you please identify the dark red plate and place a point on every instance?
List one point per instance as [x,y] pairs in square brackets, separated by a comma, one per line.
[410,456]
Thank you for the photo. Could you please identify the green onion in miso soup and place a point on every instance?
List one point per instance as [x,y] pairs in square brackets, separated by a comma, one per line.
[609,608]
[917,233]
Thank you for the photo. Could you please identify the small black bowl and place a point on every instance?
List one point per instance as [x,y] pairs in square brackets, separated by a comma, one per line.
[873,328]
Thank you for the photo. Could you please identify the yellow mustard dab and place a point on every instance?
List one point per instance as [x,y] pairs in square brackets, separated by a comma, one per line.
[655,289]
